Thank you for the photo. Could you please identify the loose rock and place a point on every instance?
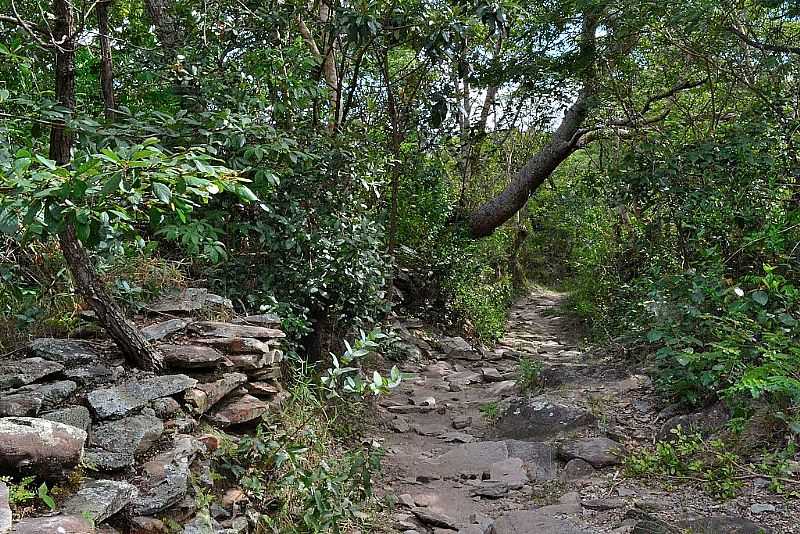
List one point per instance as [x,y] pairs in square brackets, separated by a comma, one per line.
[100,499]
[238,411]
[165,478]
[114,444]
[18,373]
[190,356]
[203,396]
[77,416]
[600,452]
[540,418]
[219,329]
[158,331]
[39,446]
[69,352]
[59,524]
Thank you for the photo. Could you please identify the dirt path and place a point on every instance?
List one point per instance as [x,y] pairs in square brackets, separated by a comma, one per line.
[468,452]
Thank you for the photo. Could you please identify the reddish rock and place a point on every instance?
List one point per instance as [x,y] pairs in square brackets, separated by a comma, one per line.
[235,345]
[263,389]
[240,410]
[191,356]
[39,446]
[219,329]
[147,525]
[211,442]
[61,524]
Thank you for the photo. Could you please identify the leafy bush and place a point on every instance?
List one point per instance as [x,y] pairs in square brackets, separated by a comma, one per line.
[529,374]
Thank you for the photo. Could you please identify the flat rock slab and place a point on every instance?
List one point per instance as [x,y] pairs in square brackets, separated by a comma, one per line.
[188,300]
[165,478]
[533,522]
[219,329]
[236,345]
[100,499]
[77,416]
[600,452]
[238,411]
[60,524]
[113,445]
[28,400]
[510,471]
[69,352]
[191,356]
[157,331]
[39,446]
[491,489]
[18,373]
[724,525]
[93,374]
[540,418]
[470,459]
[120,400]
[434,519]
[203,396]
[539,458]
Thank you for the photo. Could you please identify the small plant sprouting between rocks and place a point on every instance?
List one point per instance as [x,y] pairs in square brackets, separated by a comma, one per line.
[529,374]
[490,412]
[296,473]
[720,471]
[22,493]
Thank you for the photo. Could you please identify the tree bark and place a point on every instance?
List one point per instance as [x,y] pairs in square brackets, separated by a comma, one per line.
[493,213]
[162,15]
[127,337]
[106,64]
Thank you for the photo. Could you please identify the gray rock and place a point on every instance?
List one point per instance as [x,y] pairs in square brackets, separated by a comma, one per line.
[60,524]
[165,407]
[122,399]
[540,418]
[100,499]
[165,478]
[220,329]
[434,519]
[5,509]
[202,524]
[461,422]
[409,408]
[184,301]
[77,416]
[457,437]
[28,400]
[511,471]
[602,505]
[724,525]
[114,445]
[399,424]
[93,374]
[260,319]
[237,345]
[539,458]
[238,411]
[506,388]
[39,446]
[760,508]
[18,373]
[69,352]
[157,331]
[463,378]
[490,374]
[203,396]
[533,522]
[600,452]
[577,469]
[191,356]
[458,348]
[471,459]
[491,489]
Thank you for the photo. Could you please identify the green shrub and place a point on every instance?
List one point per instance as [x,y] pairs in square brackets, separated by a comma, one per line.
[529,374]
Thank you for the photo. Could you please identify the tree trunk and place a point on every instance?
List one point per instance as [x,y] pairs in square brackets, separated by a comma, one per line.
[106,65]
[493,213]
[128,338]
[162,15]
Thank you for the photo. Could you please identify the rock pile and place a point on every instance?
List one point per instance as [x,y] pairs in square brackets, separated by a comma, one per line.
[69,403]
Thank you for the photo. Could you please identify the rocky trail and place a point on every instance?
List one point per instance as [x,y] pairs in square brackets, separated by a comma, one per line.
[468,452]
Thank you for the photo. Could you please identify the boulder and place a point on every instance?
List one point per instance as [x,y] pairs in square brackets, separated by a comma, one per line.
[203,396]
[77,416]
[469,459]
[220,329]
[60,524]
[600,452]
[120,400]
[491,489]
[70,352]
[238,411]
[705,421]
[39,446]
[18,373]
[165,478]
[157,331]
[99,499]
[434,519]
[577,469]
[539,458]
[190,356]
[114,445]
[458,348]
[491,374]
[540,418]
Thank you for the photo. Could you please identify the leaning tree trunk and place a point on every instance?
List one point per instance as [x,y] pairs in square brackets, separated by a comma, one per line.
[493,213]
[125,334]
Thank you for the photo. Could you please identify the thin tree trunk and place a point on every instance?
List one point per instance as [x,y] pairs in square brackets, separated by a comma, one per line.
[106,65]
[396,140]
[128,338]
[162,15]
